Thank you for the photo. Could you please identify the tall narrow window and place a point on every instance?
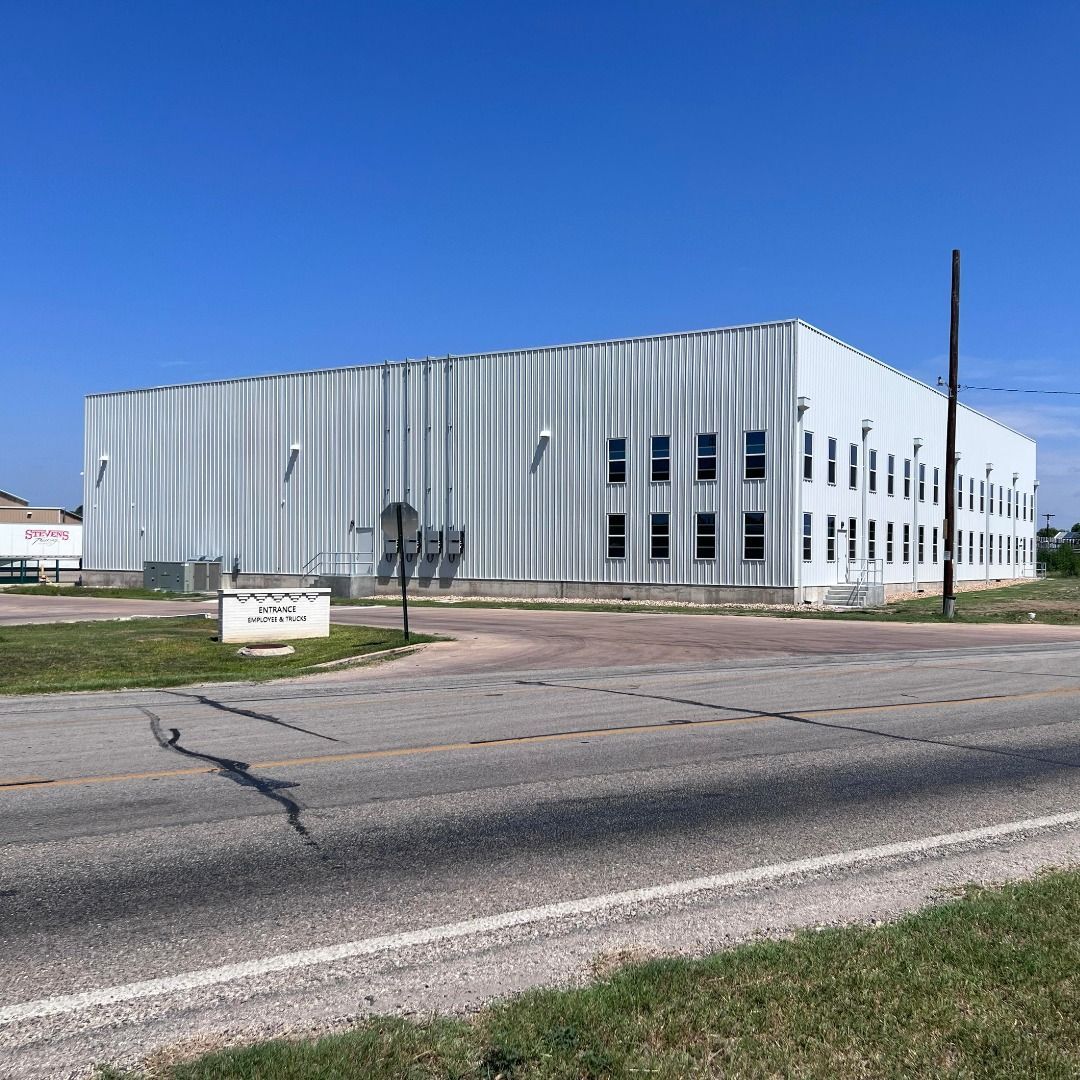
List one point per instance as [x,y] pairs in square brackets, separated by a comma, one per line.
[832,461]
[1001,546]
[661,459]
[830,538]
[959,492]
[706,456]
[982,501]
[705,536]
[659,536]
[754,537]
[616,536]
[991,494]
[971,492]
[890,475]
[982,549]
[907,478]
[922,543]
[922,483]
[871,539]
[990,548]
[1000,489]
[907,543]
[971,546]
[934,544]
[808,455]
[888,541]
[1008,504]
[937,485]
[808,537]
[754,458]
[616,461]
[1024,518]
[852,537]
[1008,553]
[853,467]
[959,545]
[873,470]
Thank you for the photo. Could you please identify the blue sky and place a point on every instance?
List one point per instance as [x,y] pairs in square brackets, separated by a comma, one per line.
[198,190]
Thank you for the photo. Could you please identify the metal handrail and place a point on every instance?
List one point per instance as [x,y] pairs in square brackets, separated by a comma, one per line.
[865,571]
[333,559]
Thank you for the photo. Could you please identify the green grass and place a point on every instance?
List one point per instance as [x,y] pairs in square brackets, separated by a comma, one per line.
[1054,600]
[103,594]
[159,652]
[987,986]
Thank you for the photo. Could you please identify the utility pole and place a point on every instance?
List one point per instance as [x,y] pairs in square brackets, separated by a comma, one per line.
[948,598]
[1048,517]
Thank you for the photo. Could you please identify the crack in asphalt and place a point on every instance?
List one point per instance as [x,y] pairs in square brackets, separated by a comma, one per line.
[807,721]
[237,771]
[202,699]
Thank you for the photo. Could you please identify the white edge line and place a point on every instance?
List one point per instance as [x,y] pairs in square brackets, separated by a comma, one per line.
[69,1003]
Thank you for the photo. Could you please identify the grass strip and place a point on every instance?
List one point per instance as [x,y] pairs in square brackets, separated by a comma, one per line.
[160,652]
[88,593]
[1054,600]
[984,986]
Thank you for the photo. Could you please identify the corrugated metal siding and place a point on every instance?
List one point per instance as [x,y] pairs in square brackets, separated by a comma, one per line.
[845,387]
[205,469]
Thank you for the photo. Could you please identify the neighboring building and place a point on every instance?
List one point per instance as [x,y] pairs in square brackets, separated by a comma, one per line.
[16,511]
[762,462]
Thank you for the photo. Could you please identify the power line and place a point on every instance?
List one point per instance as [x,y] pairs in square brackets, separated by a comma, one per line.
[1012,389]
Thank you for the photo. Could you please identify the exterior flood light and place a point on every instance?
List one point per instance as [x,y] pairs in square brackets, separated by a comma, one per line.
[295,448]
[103,459]
[545,434]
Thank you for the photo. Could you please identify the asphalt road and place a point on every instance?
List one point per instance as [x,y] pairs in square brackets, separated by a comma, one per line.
[161,835]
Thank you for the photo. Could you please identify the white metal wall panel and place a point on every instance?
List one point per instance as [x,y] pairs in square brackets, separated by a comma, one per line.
[206,469]
[845,387]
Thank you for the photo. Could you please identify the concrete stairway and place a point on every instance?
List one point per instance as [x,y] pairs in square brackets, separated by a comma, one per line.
[848,596]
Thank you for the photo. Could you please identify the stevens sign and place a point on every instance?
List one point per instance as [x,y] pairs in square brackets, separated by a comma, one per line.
[273,614]
[40,541]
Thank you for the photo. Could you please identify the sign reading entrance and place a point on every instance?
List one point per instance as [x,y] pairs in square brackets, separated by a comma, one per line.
[273,614]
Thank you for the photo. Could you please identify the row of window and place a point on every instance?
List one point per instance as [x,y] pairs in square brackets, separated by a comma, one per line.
[755,468]
[753,538]
[1008,552]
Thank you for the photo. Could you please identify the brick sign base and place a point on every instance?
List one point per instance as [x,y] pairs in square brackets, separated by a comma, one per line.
[273,614]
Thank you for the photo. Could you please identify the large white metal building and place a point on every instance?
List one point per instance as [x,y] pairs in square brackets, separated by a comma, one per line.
[761,463]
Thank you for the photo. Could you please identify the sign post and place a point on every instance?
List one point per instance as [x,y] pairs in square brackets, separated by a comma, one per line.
[397,519]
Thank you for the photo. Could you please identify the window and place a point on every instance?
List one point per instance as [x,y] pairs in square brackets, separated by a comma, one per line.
[830,538]
[832,462]
[907,543]
[890,475]
[808,537]
[871,539]
[991,494]
[853,467]
[852,537]
[922,543]
[990,548]
[937,476]
[907,478]
[706,456]
[888,541]
[971,547]
[808,455]
[659,536]
[1025,507]
[754,458]
[934,544]
[616,461]
[982,499]
[705,536]
[661,460]
[1008,554]
[982,552]
[971,492]
[1001,546]
[922,483]
[959,492]
[1008,504]
[873,470]
[999,500]
[616,536]
[959,545]
[753,543]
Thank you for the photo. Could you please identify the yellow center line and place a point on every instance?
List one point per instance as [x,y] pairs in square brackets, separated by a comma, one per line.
[35,783]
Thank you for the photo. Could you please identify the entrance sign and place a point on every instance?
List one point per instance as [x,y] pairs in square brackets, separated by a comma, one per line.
[273,614]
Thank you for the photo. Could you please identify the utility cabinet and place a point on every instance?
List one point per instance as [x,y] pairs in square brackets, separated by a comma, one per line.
[194,575]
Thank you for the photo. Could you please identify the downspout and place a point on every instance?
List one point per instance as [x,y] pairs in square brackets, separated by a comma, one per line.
[1015,549]
[867,427]
[986,523]
[800,450]
[916,479]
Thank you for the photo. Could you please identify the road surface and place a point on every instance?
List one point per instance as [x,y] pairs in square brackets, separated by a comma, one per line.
[200,864]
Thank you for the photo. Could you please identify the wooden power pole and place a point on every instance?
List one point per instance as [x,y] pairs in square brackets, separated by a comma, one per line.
[948,599]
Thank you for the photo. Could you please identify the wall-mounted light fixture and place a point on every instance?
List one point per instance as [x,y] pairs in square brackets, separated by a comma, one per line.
[103,459]
[867,425]
[918,443]
[295,448]
[545,434]
[804,404]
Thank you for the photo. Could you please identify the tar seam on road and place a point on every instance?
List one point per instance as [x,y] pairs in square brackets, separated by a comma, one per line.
[747,716]
[237,771]
[626,901]
[202,699]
